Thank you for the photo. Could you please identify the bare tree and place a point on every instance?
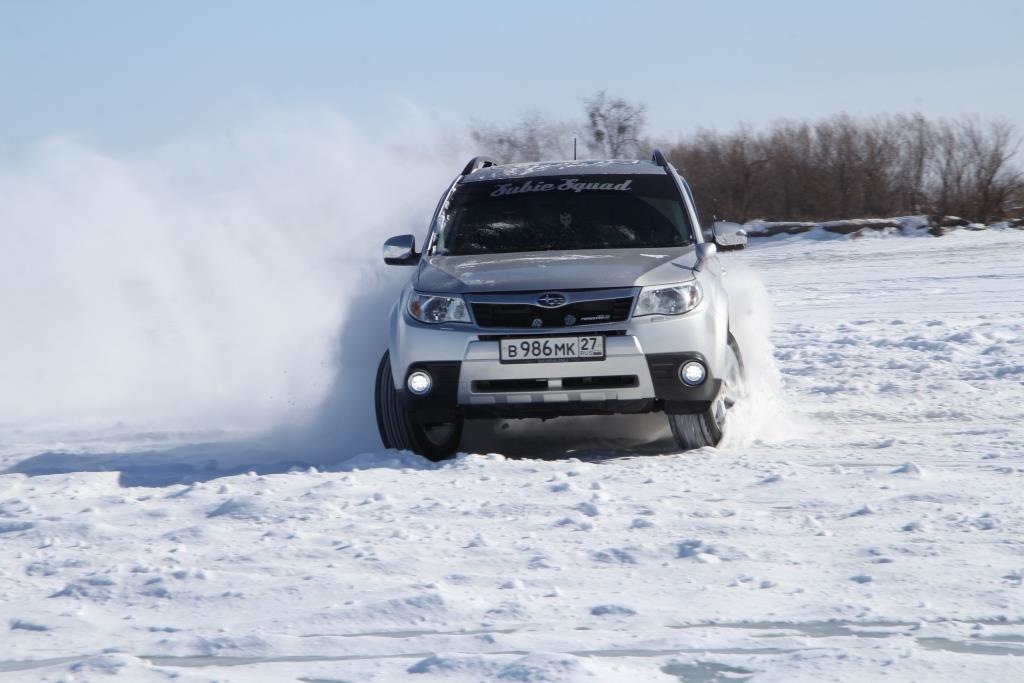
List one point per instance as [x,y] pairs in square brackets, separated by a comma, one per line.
[844,167]
[949,172]
[916,137]
[990,180]
[614,126]
[833,168]
[726,172]
[532,138]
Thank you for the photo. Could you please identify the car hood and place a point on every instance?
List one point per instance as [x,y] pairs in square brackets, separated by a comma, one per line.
[555,270]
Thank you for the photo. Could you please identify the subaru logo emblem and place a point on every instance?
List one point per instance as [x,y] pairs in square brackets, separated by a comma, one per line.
[551,300]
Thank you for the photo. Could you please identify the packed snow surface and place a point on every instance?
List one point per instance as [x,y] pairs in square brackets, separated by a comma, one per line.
[862,520]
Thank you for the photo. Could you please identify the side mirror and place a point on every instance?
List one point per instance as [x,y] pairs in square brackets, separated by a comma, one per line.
[729,235]
[705,252]
[401,251]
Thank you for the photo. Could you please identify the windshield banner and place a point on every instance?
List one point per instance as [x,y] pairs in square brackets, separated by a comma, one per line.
[565,185]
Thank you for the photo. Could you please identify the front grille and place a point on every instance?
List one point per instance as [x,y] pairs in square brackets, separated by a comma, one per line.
[575,314]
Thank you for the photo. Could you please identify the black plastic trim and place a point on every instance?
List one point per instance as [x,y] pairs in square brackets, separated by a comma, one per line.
[440,405]
[497,386]
[491,386]
[679,398]
[541,332]
[601,382]
[517,411]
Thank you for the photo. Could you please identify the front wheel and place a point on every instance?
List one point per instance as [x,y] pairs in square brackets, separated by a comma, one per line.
[397,428]
[705,429]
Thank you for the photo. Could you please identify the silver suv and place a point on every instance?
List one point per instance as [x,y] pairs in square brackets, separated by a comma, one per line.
[552,289]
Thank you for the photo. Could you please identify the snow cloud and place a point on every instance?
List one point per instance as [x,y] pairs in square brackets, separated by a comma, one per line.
[203,284]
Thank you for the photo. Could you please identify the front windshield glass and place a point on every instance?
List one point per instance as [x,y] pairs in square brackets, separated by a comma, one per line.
[564,212]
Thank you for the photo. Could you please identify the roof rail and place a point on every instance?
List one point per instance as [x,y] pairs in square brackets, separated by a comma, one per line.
[477,163]
[659,158]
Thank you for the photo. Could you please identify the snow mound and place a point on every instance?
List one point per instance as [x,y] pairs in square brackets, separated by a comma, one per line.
[909,468]
[872,227]
[532,668]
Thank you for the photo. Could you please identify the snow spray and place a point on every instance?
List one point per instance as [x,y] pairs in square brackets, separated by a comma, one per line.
[216,282]
[762,414]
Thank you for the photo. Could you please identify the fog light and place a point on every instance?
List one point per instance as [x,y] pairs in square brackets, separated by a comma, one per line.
[692,373]
[419,383]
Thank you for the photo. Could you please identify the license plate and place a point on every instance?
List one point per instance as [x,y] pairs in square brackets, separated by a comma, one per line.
[552,349]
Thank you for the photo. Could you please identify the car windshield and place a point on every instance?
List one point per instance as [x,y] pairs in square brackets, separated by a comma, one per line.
[563,213]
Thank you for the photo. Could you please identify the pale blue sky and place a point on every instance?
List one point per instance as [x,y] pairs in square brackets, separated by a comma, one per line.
[125,73]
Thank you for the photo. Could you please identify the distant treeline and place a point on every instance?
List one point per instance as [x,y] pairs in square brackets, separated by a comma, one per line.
[839,167]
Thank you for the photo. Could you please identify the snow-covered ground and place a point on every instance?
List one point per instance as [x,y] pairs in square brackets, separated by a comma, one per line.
[863,520]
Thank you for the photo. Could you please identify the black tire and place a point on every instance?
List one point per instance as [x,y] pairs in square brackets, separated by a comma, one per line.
[705,429]
[397,429]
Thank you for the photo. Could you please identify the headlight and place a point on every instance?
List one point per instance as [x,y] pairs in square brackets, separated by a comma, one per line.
[668,299]
[438,309]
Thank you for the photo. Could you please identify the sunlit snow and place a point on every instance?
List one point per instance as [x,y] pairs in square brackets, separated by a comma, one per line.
[862,518]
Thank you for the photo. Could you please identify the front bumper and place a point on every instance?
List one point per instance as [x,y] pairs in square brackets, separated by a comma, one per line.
[638,374]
